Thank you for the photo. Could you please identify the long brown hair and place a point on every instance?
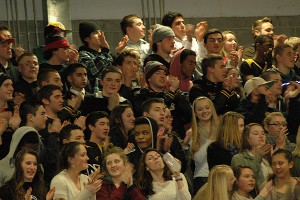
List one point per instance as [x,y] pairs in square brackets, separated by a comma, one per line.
[144,182]
[17,181]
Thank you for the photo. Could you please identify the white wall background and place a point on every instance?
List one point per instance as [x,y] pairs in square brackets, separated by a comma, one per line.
[116,9]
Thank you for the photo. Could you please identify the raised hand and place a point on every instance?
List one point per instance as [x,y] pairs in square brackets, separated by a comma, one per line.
[93,185]
[113,101]
[15,120]
[103,41]
[201,29]
[50,194]
[172,83]
[129,147]
[80,121]
[122,44]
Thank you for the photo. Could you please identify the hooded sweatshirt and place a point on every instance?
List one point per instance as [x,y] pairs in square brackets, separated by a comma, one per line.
[7,164]
[175,70]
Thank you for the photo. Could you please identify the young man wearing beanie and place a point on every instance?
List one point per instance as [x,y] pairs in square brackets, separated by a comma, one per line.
[161,86]
[58,54]
[162,45]
[254,107]
[52,29]
[94,53]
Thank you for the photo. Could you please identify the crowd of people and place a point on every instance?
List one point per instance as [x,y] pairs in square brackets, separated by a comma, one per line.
[187,114]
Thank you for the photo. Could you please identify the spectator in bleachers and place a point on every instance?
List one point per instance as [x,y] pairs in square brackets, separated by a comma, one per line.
[204,130]
[97,124]
[263,26]
[219,185]
[156,180]
[183,67]
[166,87]
[49,76]
[118,183]
[162,46]
[231,51]
[121,126]
[23,137]
[254,106]
[244,186]
[255,152]
[70,183]
[94,53]
[27,180]
[284,57]
[215,84]
[277,128]
[128,62]
[296,157]
[28,67]
[285,186]
[6,65]
[262,59]
[133,29]
[228,140]
[108,98]
[234,73]
[295,43]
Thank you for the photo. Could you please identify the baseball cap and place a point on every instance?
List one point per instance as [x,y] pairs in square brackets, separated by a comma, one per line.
[254,82]
[54,28]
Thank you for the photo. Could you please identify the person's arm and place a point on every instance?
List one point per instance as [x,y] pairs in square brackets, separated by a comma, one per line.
[182,187]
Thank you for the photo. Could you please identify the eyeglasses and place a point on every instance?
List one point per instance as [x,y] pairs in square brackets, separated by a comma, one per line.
[284,124]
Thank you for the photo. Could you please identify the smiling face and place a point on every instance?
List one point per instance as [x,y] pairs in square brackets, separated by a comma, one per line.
[6,90]
[80,159]
[246,181]
[281,166]
[29,166]
[128,119]
[154,161]
[115,165]
[235,74]
[203,110]
[111,83]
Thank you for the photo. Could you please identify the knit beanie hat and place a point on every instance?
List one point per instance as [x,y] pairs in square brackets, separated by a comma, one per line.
[151,67]
[162,32]
[4,77]
[56,42]
[86,28]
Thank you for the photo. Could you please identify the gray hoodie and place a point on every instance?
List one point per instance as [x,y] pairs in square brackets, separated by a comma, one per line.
[7,164]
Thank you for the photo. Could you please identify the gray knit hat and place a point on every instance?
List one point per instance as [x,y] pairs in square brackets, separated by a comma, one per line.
[151,67]
[162,32]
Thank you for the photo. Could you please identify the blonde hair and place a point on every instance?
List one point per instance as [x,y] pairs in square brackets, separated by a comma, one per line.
[216,187]
[296,152]
[225,33]
[270,116]
[199,135]
[228,130]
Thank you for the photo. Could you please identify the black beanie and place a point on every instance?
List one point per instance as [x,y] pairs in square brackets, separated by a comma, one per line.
[4,77]
[86,28]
